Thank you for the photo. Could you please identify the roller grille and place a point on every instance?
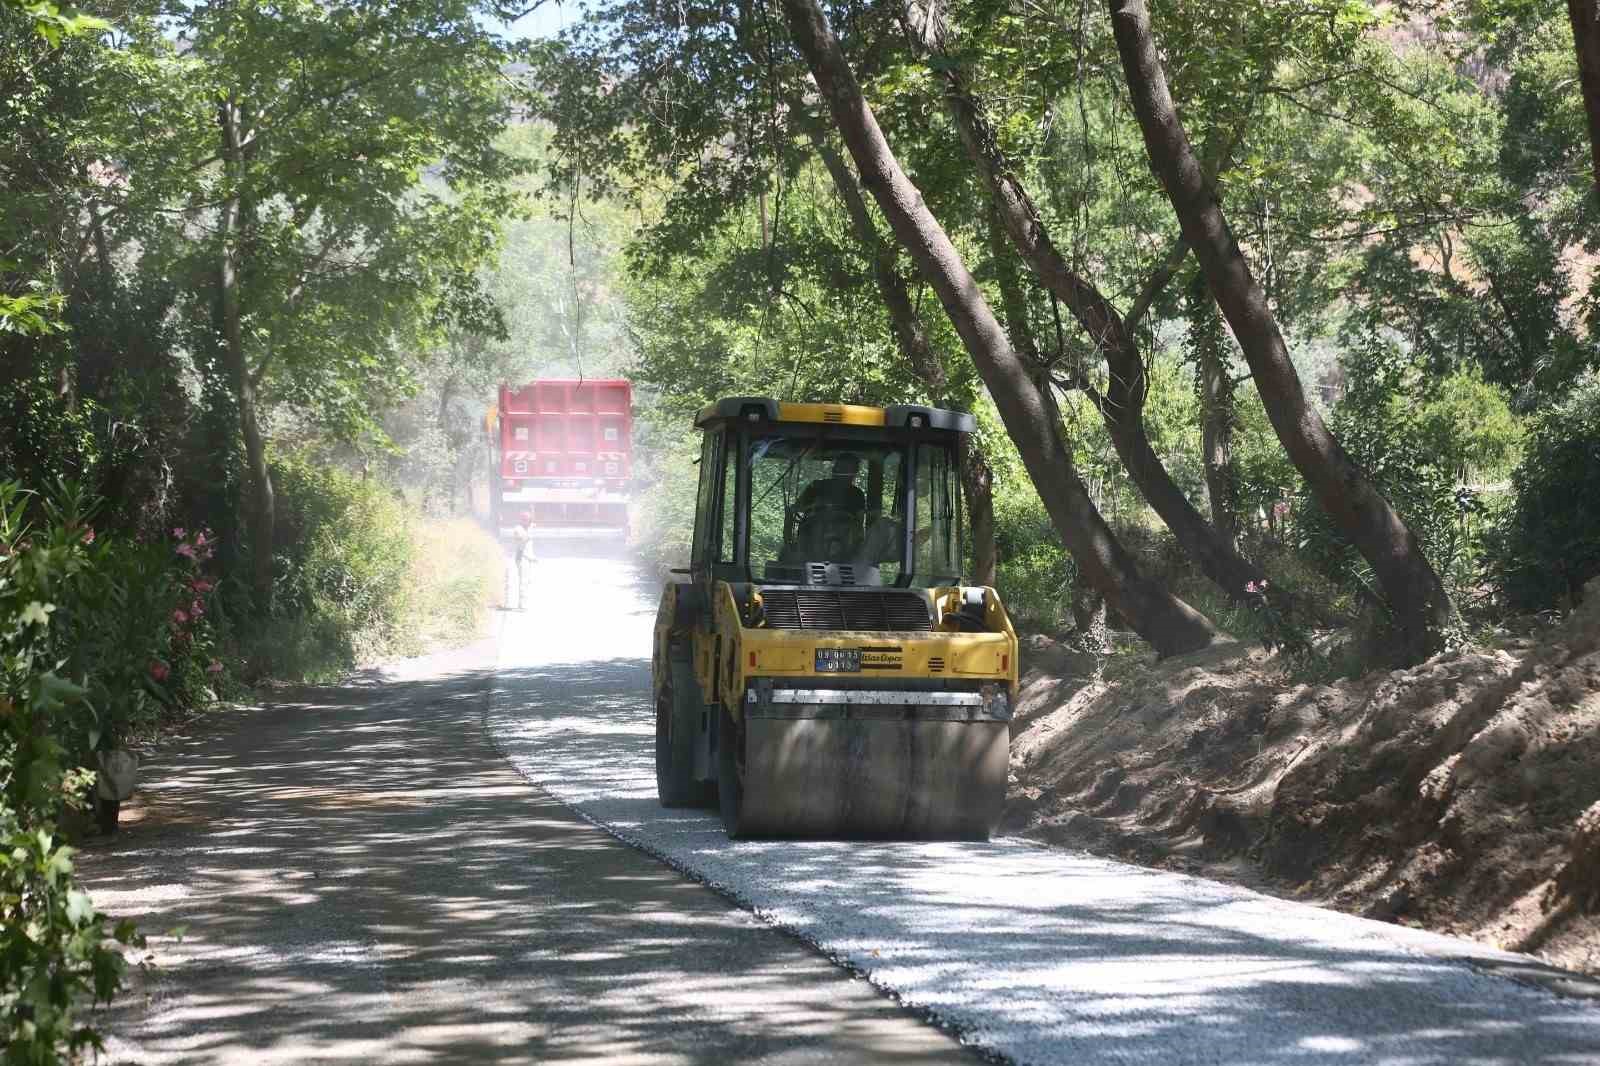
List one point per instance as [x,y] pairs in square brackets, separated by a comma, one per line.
[827,609]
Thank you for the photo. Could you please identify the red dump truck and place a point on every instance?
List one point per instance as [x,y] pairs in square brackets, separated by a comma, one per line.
[563,449]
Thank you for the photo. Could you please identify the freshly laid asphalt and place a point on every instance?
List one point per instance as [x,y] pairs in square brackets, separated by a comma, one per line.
[424,866]
[362,878]
[1036,954]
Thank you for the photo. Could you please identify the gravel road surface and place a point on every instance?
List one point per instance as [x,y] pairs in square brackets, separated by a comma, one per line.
[364,879]
[1040,955]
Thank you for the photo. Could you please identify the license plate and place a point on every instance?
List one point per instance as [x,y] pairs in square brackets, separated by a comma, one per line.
[838,660]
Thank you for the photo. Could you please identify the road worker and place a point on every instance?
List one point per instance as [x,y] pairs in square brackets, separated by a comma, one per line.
[519,574]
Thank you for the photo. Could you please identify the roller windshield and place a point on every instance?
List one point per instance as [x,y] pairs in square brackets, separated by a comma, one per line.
[826,511]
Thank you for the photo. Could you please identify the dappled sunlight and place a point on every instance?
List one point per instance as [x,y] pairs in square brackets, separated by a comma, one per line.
[359,878]
[1044,955]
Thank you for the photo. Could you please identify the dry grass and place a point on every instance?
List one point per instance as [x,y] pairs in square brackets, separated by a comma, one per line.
[457,569]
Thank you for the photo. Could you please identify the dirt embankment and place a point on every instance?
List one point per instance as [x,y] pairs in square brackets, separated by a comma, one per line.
[1462,795]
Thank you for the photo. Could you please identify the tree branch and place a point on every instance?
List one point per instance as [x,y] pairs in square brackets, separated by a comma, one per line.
[1156,283]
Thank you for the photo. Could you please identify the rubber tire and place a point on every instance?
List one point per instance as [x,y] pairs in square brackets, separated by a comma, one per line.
[673,754]
[677,721]
[730,790]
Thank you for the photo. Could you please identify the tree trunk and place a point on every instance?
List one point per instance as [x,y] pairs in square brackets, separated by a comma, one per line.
[230,234]
[1090,629]
[1208,347]
[912,337]
[1585,16]
[1122,406]
[1168,623]
[1421,607]
[978,482]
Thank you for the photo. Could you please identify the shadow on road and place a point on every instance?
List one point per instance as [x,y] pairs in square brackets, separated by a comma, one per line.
[362,878]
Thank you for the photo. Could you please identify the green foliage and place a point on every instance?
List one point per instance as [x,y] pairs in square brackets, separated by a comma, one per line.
[45,439]
[31,313]
[1548,542]
[56,950]
[666,475]
[343,594]
[1264,478]
[1035,572]
[334,178]
[1420,439]
[130,621]
[366,191]
[1465,424]
[360,577]
[52,21]
[456,574]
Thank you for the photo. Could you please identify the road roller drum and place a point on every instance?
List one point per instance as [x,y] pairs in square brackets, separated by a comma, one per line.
[903,771]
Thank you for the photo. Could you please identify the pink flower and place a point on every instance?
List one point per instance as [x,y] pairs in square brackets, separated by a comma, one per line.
[199,540]
[1256,587]
[196,609]
[202,586]
[179,617]
[1280,508]
[185,550]
[215,667]
[88,535]
[178,532]
[159,670]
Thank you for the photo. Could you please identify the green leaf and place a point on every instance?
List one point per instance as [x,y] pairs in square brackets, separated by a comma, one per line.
[37,613]
[79,909]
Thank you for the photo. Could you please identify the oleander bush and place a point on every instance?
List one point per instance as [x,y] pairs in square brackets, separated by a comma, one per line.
[98,634]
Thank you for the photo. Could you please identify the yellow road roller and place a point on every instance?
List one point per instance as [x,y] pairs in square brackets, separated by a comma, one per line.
[820,669]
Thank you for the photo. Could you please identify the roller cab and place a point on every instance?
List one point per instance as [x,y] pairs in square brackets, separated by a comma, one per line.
[821,670]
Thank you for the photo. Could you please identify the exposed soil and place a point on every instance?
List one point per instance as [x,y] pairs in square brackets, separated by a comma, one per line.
[1461,795]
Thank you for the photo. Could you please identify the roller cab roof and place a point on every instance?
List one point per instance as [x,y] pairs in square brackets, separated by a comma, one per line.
[894,416]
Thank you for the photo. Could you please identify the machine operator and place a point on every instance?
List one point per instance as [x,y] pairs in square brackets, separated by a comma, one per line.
[832,512]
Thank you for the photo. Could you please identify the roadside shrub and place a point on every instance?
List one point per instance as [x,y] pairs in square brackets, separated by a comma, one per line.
[1263,477]
[1034,573]
[1547,544]
[341,576]
[57,705]
[359,577]
[130,620]
[42,438]
[1035,584]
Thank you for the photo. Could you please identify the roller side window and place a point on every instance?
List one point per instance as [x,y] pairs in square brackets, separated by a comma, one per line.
[706,517]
